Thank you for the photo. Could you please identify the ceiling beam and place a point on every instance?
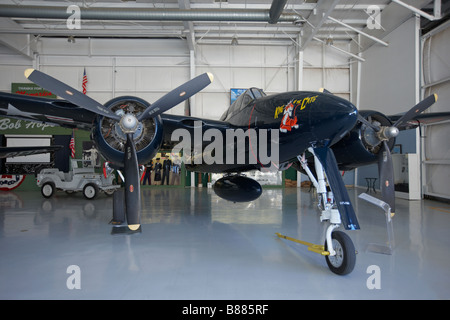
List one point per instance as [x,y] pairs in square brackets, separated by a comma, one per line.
[19,43]
[316,19]
[340,50]
[188,25]
[359,31]
[108,32]
[437,10]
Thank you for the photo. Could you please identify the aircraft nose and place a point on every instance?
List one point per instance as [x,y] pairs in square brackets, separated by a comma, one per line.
[333,118]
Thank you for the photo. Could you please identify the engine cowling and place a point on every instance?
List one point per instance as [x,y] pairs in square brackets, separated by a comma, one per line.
[109,137]
[362,144]
[237,188]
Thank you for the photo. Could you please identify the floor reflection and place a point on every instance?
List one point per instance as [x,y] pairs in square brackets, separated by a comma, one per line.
[195,245]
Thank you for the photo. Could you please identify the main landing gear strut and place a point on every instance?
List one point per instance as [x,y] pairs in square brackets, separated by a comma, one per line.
[338,249]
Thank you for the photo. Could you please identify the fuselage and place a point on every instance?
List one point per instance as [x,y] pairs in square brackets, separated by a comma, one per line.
[263,132]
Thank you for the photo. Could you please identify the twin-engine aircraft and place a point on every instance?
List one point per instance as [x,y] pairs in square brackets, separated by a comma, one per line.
[316,132]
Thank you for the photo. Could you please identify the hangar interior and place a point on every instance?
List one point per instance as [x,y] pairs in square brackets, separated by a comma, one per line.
[378,54]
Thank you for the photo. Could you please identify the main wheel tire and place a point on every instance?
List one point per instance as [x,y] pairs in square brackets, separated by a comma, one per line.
[90,191]
[48,189]
[344,261]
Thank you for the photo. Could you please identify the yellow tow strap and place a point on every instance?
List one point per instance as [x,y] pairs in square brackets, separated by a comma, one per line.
[317,248]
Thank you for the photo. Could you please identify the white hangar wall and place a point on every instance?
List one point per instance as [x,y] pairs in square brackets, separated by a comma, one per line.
[390,83]
[147,69]
[151,68]
[394,79]
[389,76]
[270,68]
[325,67]
[435,143]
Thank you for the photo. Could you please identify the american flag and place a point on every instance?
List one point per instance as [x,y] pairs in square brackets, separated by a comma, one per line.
[84,81]
[72,146]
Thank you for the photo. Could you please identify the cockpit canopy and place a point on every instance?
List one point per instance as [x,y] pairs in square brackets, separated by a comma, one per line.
[242,101]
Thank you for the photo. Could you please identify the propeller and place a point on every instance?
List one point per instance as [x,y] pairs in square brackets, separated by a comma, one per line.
[177,95]
[132,185]
[417,109]
[386,175]
[128,123]
[166,102]
[68,93]
[384,133]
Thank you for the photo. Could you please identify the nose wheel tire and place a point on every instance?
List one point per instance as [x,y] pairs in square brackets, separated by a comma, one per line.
[344,260]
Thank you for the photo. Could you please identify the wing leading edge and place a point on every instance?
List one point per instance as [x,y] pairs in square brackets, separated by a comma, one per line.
[49,111]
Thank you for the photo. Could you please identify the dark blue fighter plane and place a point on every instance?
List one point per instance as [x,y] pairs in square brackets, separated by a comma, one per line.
[316,132]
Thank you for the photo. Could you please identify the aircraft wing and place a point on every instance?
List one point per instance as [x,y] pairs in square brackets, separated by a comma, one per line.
[9,152]
[49,111]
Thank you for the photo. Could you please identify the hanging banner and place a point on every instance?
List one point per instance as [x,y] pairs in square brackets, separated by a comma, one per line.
[31,89]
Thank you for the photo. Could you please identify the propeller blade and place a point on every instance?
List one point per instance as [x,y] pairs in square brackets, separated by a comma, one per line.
[67,92]
[177,95]
[417,109]
[132,186]
[323,90]
[386,173]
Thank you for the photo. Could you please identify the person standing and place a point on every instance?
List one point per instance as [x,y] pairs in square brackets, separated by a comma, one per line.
[166,170]
[158,167]
[148,173]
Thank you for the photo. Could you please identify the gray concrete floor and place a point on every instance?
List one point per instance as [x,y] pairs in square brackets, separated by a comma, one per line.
[195,245]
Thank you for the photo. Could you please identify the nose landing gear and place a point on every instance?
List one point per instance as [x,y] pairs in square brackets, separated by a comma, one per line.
[340,256]
[339,251]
